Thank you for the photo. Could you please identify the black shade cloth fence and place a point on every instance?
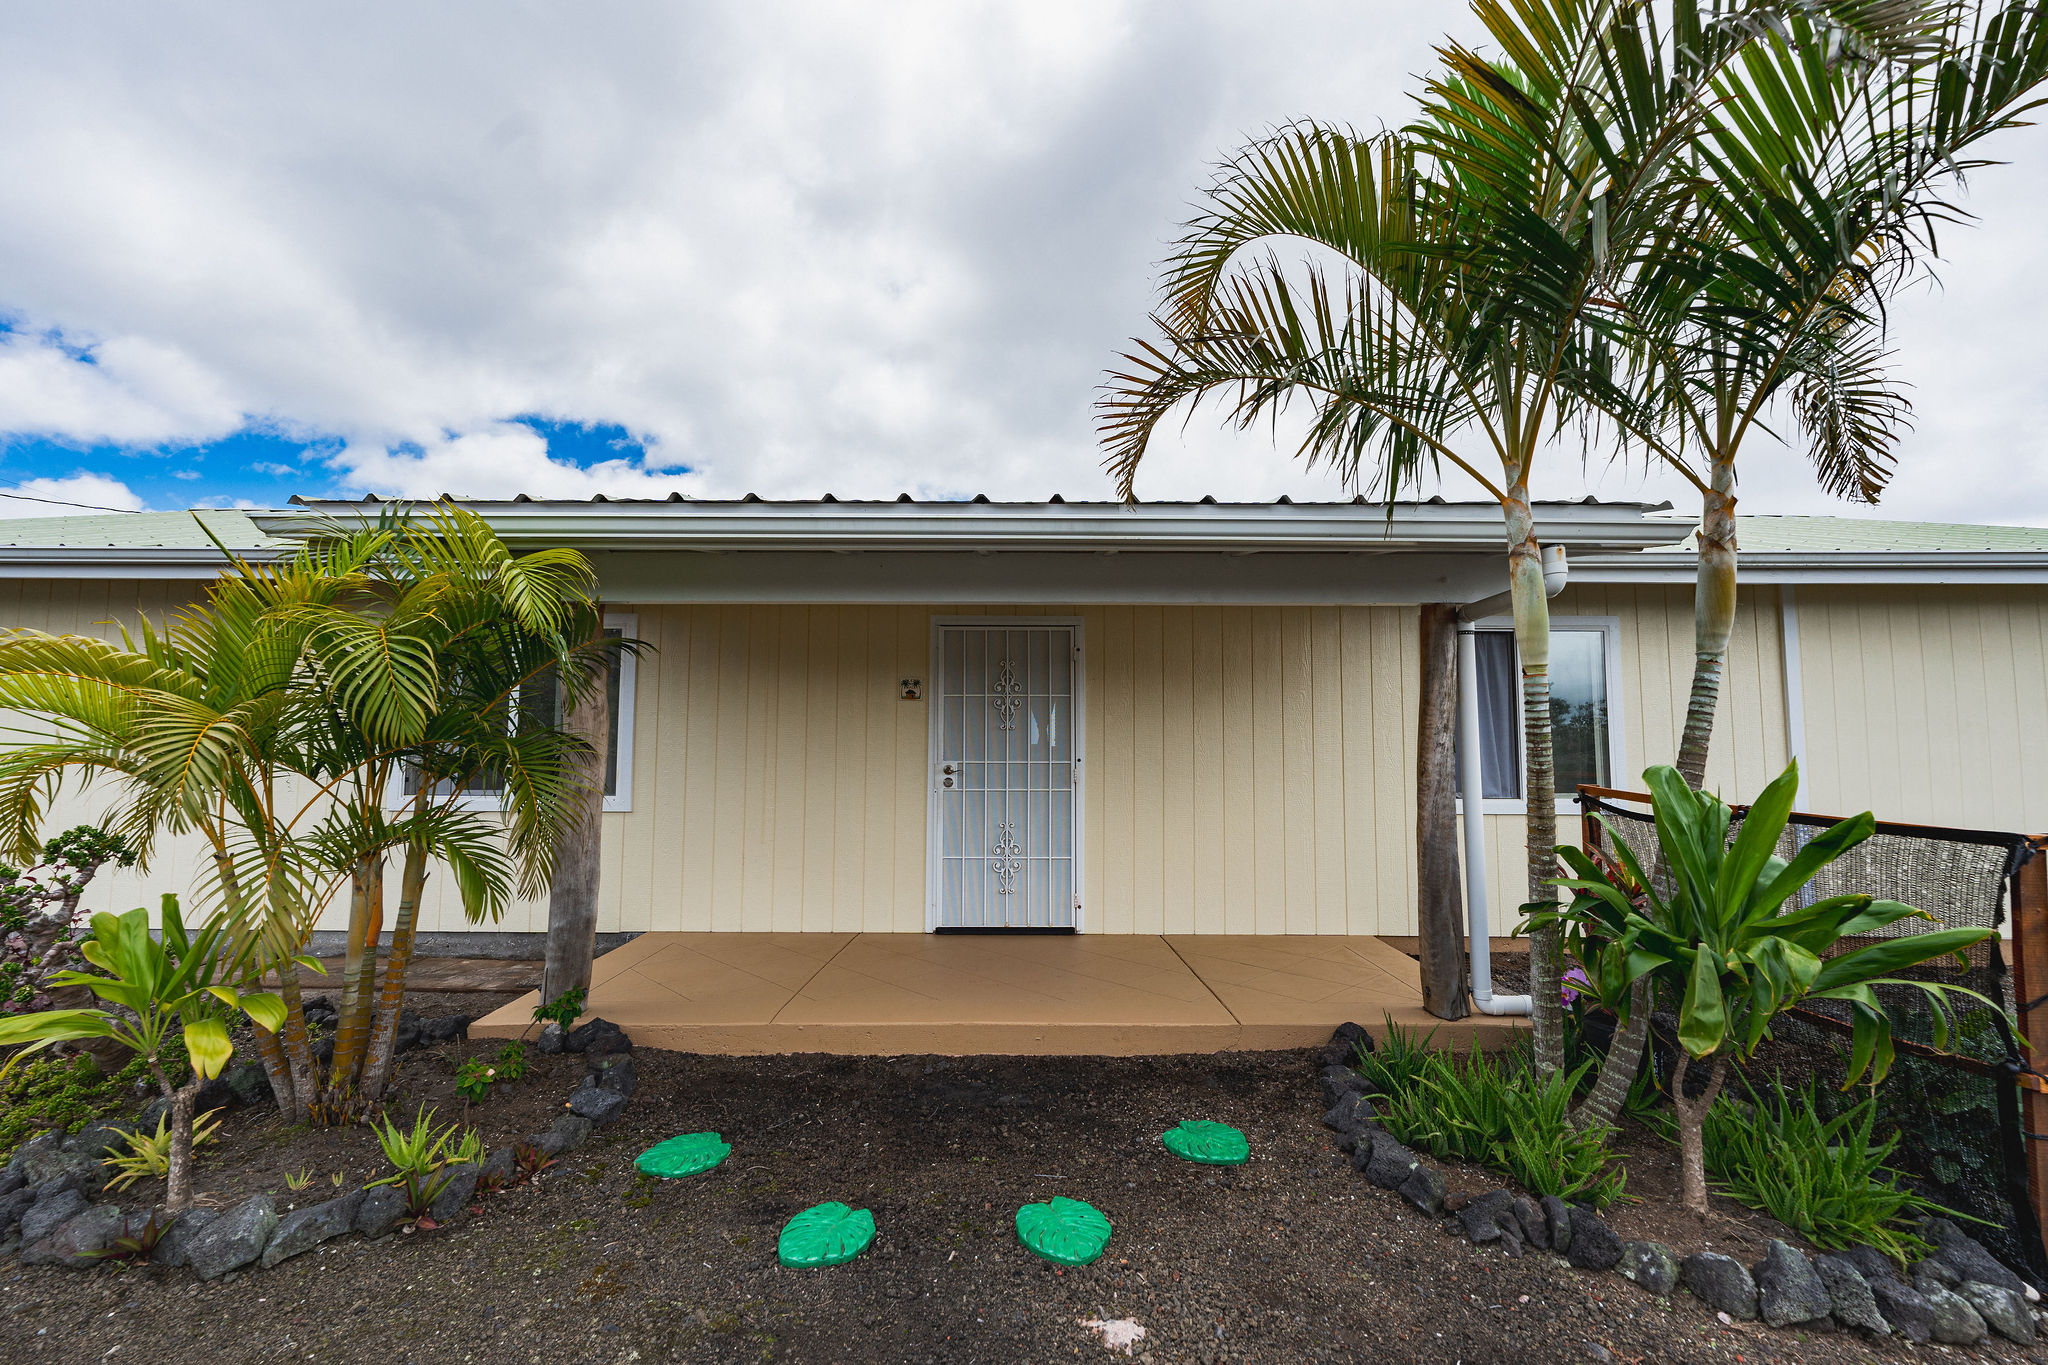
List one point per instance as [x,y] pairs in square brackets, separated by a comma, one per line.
[1957,1110]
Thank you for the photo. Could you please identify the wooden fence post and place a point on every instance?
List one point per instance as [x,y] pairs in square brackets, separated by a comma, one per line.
[2029,981]
[1439,911]
[572,900]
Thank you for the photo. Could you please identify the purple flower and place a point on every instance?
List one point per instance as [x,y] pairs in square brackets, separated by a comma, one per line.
[1571,992]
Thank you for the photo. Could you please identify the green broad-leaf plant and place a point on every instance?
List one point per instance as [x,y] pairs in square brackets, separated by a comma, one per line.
[185,982]
[1736,944]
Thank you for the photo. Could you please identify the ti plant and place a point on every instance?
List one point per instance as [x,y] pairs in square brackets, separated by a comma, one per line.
[157,989]
[529,1159]
[134,1248]
[1725,945]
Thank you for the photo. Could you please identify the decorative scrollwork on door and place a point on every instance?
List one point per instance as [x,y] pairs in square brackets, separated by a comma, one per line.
[1007,861]
[1006,694]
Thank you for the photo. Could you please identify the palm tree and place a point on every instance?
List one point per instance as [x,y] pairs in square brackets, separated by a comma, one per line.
[1478,260]
[281,718]
[189,730]
[1822,173]
[422,668]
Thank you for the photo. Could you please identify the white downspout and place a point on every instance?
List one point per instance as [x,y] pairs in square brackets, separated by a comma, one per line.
[1795,692]
[1479,945]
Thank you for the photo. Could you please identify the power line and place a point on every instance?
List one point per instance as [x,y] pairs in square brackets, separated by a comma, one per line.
[60,502]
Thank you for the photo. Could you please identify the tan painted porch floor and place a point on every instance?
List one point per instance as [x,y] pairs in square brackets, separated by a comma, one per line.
[962,994]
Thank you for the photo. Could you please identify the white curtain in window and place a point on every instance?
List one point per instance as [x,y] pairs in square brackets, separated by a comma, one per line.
[1578,711]
[1500,739]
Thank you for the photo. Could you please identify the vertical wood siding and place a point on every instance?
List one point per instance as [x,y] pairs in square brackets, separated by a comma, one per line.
[1249,769]
[1927,705]
[100,608]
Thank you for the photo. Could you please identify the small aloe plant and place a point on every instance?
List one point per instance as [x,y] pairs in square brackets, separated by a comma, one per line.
[420,1157]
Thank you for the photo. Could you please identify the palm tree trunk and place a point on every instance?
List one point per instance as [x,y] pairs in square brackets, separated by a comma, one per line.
[1692,1118]
[1713,617]
[391,995]
[1618,1068]
[270,1051]
[1532,640]
[304,1089]
[572,900]
[292,1091]
[359,973]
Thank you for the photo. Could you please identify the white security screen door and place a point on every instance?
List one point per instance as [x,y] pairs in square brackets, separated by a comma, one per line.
[1005,777]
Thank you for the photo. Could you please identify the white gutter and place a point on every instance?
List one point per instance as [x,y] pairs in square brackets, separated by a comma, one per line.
[1478,916]
[1828,566]
[1591,528]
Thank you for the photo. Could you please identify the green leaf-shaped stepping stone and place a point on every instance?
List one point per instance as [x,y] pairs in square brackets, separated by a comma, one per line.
[690,1154]
[1065,1232]
[1212,1144]
[825,1234]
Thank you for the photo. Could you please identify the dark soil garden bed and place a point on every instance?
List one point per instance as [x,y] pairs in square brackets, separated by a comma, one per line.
[1292,1258]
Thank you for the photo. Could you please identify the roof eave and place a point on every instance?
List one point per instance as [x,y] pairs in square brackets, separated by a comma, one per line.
[1222,528]
[105,561]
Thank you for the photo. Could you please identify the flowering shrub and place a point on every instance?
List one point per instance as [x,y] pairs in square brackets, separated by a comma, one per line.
[39,924]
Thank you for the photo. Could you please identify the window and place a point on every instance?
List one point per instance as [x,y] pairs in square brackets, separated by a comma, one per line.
[1584,688]
[618,760]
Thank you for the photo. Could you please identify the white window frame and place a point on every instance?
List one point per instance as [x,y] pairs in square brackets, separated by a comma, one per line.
[628,625]
[1617,744]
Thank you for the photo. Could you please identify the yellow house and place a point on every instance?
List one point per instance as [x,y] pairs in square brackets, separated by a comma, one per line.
[1169,719]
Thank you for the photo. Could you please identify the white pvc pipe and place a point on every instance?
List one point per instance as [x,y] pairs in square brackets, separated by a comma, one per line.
[1478,917]
[1479,943]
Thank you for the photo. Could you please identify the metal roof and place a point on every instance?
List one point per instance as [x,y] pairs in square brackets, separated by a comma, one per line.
[1854,535]
[131,544]
[1613,542]
[1802,549]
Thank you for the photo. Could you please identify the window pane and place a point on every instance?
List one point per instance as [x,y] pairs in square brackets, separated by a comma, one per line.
[1578,708]
[1500,746]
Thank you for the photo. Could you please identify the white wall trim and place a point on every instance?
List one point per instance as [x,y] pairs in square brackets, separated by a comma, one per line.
[934,682]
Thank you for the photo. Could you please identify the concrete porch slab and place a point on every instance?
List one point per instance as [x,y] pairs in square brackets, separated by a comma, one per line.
[966,994]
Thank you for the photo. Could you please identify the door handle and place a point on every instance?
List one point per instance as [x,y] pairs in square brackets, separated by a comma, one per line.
[946,772]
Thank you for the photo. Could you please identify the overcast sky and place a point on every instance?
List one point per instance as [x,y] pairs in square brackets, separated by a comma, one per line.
[253,250]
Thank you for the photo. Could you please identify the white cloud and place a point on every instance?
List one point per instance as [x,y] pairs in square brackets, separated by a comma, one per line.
[73,495]
[797,248]
[500,460]
[131,391]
